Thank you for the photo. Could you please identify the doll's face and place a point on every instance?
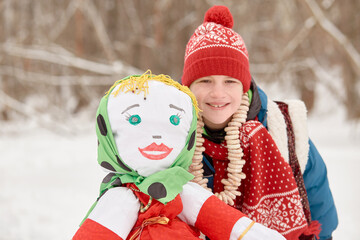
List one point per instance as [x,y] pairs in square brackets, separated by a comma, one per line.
[150,132]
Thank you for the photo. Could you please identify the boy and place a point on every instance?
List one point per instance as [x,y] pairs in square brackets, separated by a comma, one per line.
[239,158]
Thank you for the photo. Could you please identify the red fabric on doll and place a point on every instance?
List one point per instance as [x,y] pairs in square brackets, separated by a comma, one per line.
[174,229]
[91,230]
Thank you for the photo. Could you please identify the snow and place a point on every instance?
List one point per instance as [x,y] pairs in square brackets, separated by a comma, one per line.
[48,180]
[338,144]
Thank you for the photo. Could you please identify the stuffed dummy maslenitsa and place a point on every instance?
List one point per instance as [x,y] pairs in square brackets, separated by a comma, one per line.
[146,129]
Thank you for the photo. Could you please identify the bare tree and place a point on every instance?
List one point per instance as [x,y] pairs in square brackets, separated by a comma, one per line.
[69,52]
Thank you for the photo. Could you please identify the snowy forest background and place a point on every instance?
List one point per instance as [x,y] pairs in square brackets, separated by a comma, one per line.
[57,58]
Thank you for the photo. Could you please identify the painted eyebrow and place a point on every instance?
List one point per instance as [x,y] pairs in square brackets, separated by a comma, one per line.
[177,108]
[132,106]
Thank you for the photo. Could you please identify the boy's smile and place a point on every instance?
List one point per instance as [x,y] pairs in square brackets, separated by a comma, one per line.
[217,106]
[219,97]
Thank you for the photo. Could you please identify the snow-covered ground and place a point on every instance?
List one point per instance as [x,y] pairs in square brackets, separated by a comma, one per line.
[339,145]
[48,181]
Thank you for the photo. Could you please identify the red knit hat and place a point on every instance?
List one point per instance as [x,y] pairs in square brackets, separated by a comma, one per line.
[215,49]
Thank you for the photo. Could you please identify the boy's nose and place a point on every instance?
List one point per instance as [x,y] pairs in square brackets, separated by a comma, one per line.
[217,91]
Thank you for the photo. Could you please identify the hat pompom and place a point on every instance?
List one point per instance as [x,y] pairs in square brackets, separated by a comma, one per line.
[220,15]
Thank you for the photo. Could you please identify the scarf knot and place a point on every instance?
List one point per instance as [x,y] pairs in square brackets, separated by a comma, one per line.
[149,221]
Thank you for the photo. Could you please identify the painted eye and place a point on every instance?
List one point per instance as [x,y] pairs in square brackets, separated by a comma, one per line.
[134,119]
[175,120]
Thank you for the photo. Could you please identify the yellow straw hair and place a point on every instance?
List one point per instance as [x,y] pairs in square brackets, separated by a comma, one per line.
[138,84]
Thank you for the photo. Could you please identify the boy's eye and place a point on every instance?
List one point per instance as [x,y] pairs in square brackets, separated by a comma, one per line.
[204,81]
[230,81]
[175,120]
[134,119]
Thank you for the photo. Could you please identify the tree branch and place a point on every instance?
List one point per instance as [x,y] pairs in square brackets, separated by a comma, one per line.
[117,67]
[133,15]
[31,113]
[298,39]
[64,20]
[100,29]
[334,32]
[52,80]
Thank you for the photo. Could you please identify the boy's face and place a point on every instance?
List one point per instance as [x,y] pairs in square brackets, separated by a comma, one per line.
[219,97]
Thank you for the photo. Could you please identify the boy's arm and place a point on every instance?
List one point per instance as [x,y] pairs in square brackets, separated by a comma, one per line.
[112,218]
[322,206]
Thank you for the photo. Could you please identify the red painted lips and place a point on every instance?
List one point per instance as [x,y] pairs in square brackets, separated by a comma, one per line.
[155,152]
